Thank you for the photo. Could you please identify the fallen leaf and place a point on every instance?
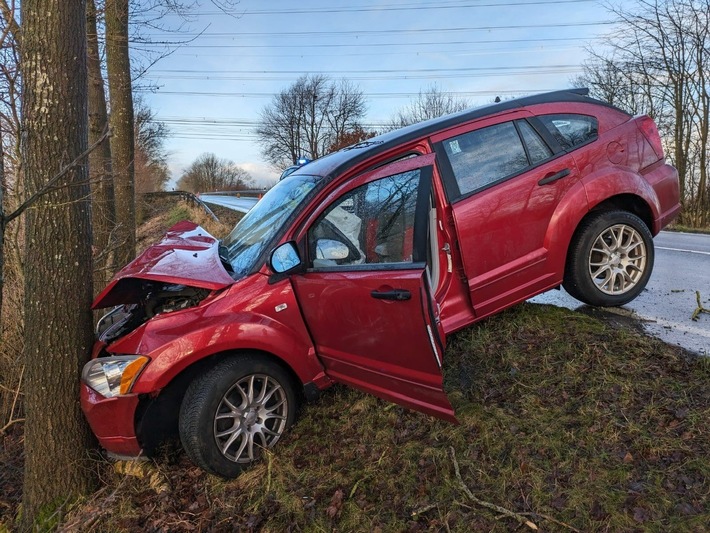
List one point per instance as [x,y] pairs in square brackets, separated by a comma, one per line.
[336,503]
[628,458]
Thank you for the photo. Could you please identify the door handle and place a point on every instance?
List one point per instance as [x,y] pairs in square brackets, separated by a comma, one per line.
[395,294]
[554,177]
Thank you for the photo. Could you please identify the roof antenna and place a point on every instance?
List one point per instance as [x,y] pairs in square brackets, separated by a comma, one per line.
[497,100]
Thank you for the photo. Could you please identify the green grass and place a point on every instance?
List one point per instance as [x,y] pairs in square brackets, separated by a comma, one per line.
[687,229]
[178,213]
[565,420]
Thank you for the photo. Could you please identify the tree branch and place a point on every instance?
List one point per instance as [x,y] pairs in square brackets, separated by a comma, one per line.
[700,308]
[502,510]
[49,186]
[17,393]
[8,13]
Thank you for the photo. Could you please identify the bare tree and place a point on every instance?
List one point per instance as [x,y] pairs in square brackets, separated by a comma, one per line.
[11,233]
[121,120]
[151,158]
[2,218]
[10,183]
[102,195]
[58,252]
[430,103]
[656,63]
[209,173]
[307,118]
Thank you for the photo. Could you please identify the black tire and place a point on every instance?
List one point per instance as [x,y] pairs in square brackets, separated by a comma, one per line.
[616,270]
[223,392]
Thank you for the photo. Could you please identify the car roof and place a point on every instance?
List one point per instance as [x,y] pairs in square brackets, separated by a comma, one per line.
[334,164]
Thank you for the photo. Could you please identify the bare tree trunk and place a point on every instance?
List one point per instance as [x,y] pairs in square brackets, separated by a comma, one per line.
[2,221]
[58,254]
[103,215]
[121,120]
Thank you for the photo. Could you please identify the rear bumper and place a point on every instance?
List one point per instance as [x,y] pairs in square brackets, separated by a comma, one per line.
[112,420]
[664,180]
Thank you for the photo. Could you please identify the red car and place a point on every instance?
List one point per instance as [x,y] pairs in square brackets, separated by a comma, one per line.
[356,268]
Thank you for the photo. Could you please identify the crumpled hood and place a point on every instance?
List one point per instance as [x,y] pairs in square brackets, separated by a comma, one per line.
[187,255]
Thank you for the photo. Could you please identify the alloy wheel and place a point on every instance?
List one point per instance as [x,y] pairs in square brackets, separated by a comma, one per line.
[251,416]
[617,259]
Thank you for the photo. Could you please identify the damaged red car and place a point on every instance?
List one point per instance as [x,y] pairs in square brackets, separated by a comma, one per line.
[356,267]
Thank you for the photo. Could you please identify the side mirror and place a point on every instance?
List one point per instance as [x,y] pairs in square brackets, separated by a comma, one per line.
[285,258]
[331,250]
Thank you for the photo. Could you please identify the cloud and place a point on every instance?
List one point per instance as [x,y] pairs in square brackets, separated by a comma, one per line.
[262,173]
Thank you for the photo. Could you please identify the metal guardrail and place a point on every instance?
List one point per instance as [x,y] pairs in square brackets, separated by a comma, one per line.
[187,196]
[247,192]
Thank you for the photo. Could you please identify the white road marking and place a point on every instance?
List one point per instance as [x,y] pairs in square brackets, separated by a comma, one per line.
[682,250]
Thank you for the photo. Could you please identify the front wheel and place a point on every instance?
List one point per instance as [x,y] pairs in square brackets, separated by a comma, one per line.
[234,411]
[610,259]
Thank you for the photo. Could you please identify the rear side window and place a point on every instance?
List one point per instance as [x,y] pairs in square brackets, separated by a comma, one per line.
[482,157]
[537,148]
[571,130]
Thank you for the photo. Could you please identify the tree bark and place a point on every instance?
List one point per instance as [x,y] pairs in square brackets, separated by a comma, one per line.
[103,215]
[58,254]
[2,221]
[121,120]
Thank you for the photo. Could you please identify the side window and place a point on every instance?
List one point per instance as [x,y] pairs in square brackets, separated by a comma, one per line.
[537,149]
[371,224]
[571,130]
[482,157]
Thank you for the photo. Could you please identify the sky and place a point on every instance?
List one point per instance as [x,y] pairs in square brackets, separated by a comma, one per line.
[225,67]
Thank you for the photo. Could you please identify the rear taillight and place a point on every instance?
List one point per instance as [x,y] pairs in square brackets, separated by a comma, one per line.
[650,132]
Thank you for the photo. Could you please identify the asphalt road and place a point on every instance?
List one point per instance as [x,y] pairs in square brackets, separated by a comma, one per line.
[242,204]
[665,307]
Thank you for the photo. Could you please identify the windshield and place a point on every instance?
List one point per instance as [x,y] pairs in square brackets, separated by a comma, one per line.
[249,238]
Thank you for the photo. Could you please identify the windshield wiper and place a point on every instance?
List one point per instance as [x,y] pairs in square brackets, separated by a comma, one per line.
[224,257]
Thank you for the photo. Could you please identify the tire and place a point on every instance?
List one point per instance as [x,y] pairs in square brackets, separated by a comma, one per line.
[610,259]
[233,411]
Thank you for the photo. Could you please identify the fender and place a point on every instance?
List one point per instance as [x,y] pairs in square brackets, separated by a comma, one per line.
[242,321]
[600,188]
[584,196]
[570,211]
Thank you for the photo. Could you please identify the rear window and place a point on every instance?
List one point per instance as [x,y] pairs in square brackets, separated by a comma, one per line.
[571,130]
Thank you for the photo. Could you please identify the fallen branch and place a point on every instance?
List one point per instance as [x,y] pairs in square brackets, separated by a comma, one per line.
[502,510]
[700,308]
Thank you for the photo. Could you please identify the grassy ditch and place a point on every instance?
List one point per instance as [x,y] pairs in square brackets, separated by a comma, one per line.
[566,422]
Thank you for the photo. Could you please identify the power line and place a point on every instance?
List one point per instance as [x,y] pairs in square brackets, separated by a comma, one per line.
[361,71]
[373,95]
[570,70]
[398,31]
[449,53]
[361,45]
[391,7]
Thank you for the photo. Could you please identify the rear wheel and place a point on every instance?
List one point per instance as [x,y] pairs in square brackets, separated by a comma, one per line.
[610,259]
[230,414]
